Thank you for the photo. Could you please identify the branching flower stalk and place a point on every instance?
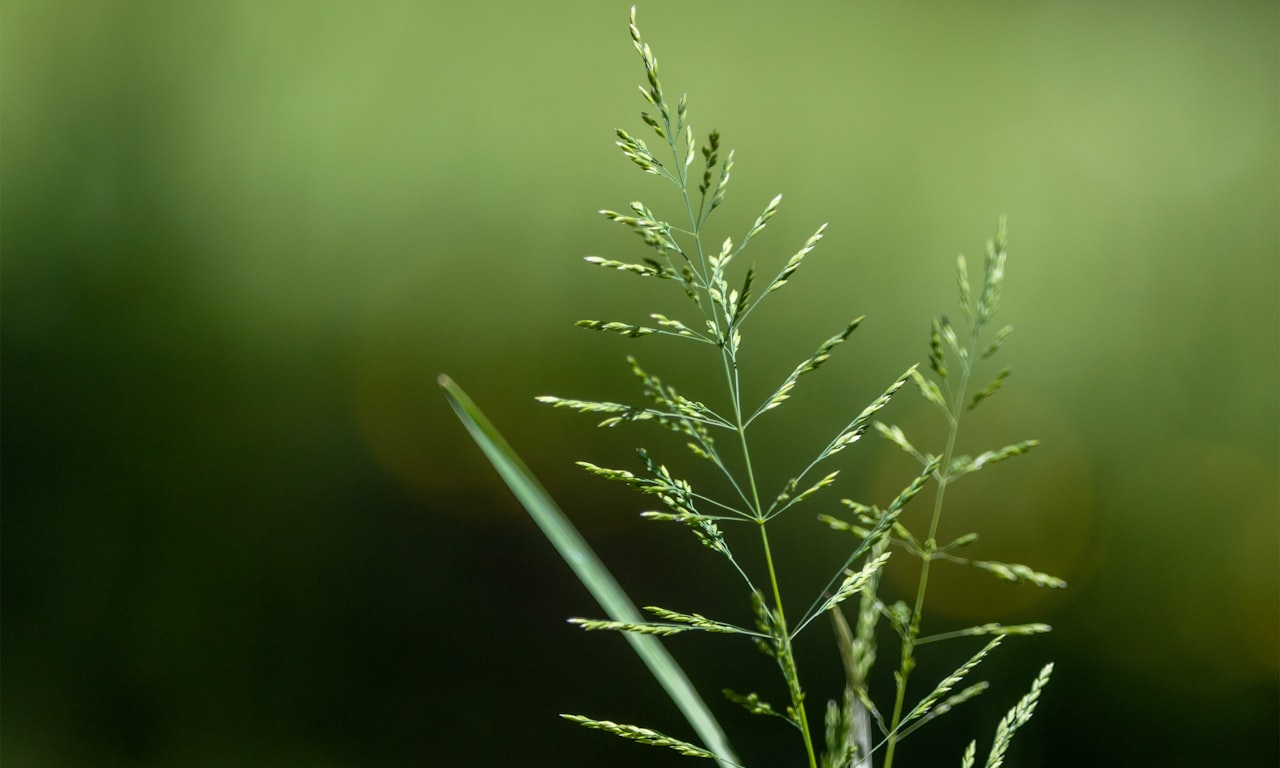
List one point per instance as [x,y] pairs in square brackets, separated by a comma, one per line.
[953,404]
[687,256]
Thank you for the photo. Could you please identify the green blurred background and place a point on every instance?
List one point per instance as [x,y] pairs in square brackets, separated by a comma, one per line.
[240,240]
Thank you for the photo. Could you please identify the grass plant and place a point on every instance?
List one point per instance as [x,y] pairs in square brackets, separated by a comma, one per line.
[862,728]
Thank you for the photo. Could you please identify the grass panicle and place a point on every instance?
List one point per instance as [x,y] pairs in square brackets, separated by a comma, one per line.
[954,354]
[861,728]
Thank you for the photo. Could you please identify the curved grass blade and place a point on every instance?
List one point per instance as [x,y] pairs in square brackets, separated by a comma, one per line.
[588,568]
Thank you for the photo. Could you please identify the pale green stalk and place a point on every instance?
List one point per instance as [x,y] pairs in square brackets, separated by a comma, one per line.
[930,550]
[788,661]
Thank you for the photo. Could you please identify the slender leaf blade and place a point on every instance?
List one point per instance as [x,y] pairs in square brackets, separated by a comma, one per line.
[588,568]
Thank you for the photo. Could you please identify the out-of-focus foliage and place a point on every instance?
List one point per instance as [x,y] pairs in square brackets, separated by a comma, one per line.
[238,240]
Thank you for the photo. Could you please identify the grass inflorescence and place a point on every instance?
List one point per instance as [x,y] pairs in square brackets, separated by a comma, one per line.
[863,728]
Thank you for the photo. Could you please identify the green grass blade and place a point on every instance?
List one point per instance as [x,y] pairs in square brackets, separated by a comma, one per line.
[588,568]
